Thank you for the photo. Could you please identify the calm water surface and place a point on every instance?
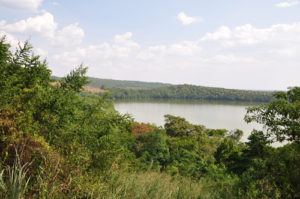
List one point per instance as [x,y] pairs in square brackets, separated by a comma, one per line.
[212,115]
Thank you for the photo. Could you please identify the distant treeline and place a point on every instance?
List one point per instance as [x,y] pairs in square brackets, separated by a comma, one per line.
[137,90]
[190,92]
[111,83]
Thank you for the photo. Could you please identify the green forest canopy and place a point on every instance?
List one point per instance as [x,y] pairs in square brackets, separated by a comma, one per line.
[191,92]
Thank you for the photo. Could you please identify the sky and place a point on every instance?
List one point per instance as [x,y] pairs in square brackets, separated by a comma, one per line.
[241,44]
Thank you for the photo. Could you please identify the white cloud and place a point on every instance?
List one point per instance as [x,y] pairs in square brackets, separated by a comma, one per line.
[55,3]
[286,51]
[120,48]
[230,59]
[69,35]
[248,35]
[187,20]
[180,49]
[41,52]
[286,4]
[42,24]
[222,33]
[31,5]
[126,40]
[237,54]
[2,23]
[45,26]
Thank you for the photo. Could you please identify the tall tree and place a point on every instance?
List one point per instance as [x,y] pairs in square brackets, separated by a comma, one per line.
[281,117]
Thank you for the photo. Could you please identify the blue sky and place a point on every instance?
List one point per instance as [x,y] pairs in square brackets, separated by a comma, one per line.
[244,44]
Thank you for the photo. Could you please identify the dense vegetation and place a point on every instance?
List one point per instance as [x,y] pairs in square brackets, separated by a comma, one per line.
[190,92]
[57,143]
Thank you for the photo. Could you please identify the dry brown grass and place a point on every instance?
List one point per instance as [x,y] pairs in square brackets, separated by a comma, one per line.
[94,90]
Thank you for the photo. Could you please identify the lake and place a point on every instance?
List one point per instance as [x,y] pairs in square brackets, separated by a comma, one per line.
[221,115]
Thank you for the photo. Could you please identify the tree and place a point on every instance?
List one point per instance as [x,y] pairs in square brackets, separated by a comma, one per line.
[178,127]
[257,145]
[153,149]
[281,117]
[236,135]
[75,80]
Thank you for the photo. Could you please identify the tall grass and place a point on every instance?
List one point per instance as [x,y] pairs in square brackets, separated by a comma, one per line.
[2,183]
[15,184]
[146,185]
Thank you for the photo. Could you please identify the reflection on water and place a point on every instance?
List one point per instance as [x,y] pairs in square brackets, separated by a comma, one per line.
[212,115]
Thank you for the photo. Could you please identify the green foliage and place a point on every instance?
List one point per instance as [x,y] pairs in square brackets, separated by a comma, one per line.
[184,157]
[236,135]
[258,145]
[285,164]
[218,184]
[148,184]
[17,181]
[280,117]
[191,146]
[272,172]
[78,146]
[190,92]
[88,133]
[230,154]
[152,149]
[178,127]
[75,80]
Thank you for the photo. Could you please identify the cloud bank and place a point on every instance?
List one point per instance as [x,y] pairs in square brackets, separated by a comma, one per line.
[187,20]
[30,5]
[244,57]
[241,54]
[44,26]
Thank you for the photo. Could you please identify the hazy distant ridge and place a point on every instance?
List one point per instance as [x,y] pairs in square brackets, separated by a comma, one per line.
[111,83]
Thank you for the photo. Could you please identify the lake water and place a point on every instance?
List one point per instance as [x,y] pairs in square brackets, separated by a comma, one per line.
[213,115]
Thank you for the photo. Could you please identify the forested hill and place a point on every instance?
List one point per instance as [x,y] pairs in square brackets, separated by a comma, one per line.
[123,89]
[111,83]
[191,92]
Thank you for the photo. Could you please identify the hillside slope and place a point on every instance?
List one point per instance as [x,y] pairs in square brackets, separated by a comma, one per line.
[110,83]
